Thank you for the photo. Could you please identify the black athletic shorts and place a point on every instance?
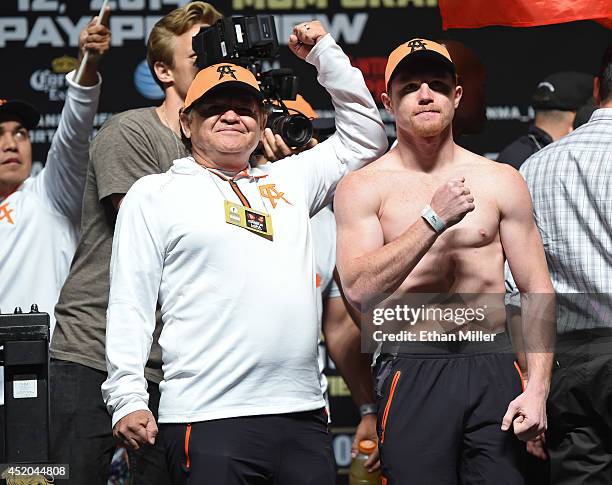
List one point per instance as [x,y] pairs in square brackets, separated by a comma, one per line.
[440,415]
[282,449]
[579,437]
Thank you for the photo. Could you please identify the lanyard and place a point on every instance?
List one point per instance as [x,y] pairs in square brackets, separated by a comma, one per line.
[242,214]
[234,186]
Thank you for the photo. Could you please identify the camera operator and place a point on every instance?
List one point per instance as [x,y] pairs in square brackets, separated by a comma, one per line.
[273,147]
[39,216]
[342,335]
[130,145]
[226,250]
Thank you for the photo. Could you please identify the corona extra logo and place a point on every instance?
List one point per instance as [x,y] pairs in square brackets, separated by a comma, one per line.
[64,64]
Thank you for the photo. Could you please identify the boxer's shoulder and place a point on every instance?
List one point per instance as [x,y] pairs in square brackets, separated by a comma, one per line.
[379,170]
[466,156]
[358,187]
[388,161]
[502,182]
[371,173]
[487,167]
[505,173]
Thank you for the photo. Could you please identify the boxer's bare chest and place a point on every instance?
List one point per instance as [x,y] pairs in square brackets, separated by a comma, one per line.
[466,257]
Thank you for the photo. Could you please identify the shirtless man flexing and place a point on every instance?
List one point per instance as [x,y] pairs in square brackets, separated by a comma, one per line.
[431,217]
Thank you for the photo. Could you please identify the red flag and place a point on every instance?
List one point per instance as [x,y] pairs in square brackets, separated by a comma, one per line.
[469,14]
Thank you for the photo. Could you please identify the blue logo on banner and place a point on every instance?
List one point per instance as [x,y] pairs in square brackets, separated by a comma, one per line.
[145,84]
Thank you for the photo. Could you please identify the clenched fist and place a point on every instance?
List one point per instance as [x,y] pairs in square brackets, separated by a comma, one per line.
[526,415]
[94,42]
[95,38]
[136,429]
[305,36]
[452,201]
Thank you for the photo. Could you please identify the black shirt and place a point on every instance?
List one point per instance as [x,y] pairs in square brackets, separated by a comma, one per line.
[521,149]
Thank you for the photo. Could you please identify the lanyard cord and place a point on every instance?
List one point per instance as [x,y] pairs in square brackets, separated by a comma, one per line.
[215,182]
[235,188]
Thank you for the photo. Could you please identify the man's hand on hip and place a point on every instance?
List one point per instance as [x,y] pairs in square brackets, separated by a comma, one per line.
[136,429]
[305,36]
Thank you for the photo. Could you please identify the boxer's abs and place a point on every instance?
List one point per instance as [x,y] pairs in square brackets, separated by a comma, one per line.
[467,258]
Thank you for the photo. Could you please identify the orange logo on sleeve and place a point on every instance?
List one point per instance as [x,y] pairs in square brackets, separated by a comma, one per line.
[269,192]
[5,213]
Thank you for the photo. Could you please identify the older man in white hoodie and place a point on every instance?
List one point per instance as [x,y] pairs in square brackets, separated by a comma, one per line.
[227,252]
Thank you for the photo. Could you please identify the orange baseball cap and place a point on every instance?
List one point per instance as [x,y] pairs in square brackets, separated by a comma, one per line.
[217,75]
[414,49]
[300,105]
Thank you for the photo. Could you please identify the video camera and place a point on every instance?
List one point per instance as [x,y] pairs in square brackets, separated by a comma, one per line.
[248,41]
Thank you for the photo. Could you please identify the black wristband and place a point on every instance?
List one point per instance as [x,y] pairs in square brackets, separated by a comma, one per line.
[369,408]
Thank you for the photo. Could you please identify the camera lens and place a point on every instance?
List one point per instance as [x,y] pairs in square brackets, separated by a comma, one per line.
[295,130]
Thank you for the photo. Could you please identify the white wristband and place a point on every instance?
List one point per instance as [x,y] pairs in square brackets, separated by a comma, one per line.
[433,219]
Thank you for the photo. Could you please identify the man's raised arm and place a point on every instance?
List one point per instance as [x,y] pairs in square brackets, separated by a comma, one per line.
[63,179]
[360,135]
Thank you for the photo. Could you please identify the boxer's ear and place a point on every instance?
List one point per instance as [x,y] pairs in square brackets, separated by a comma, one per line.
[386,101]
[458,95]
